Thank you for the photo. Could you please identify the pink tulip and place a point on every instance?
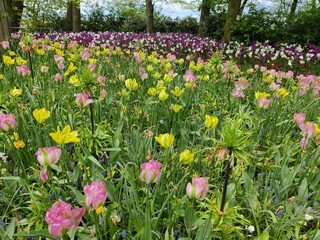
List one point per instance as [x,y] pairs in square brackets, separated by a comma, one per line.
[44,69]
[238,94]
[308,131]
[198,188]
[5,44]
[264,103]
[61,218]
[85,55]
[58,58]
[7,121]
[92,67]
[298,118]
[48,155]
[188,76]
[96,194]
[151,171]
[83,99]
[23,70]
[44,174]
[101,79]
[102,95]
[58,77]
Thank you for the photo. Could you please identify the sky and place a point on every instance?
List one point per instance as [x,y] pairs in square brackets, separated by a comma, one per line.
[176,10]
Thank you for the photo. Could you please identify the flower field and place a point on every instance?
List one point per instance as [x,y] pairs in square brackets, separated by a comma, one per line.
[161,136]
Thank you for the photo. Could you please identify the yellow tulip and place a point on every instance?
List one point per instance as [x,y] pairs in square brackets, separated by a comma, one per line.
[165,140]
[65,136]
[20,61]
[131,84]
[19,144]
[152,91]
[175,107]
[15,92]
[40,52]
[74,80]
[260,95]
[41,115]
[177,92]
[186,157]
[282,92]
[211,121]
[163,95]
[7,60]
[1,76]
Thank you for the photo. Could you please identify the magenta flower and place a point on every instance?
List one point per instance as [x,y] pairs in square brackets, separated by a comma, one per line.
[61,218]
[7,121]
[264,103]
[198,188]
[83,100]
[151,171]
[48,155]
[96,194]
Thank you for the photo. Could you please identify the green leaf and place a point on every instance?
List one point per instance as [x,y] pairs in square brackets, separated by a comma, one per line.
[95,161]
[11,227]
[248,183]
[36,233]
[190,218]
[79,196]
[204,232]
[111,191]
[303,189]
[264,235]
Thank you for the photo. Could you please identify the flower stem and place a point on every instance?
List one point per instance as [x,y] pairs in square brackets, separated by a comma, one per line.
[31,69]
[91,118]
[225,184]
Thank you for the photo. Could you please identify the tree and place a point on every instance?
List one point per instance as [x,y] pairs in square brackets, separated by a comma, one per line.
[76,19]
[149,16]
[15,9]
[204,15]
[232,13]
[4,22]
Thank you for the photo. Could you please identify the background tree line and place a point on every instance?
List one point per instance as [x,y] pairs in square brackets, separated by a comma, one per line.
[245,20]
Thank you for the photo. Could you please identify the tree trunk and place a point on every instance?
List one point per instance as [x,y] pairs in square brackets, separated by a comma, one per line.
[243,5]
[293,7]
[149,15]
[76,20]
[204,15]
[69,16]
[16,15]
[4,21]
[232,13]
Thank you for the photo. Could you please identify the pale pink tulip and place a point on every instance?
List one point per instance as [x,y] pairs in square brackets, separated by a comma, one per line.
[7,121]
[199,188]
[96,194]
[151,171]
[62,218]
